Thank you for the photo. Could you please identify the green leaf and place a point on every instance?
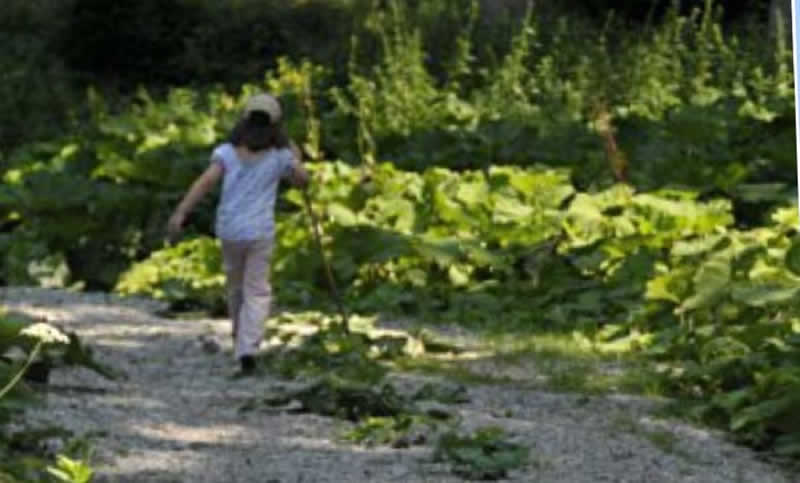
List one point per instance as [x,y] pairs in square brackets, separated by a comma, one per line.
[763,295]
[734,400]
[342,215]
[762,412]
[687,248]
[658,288]
[444,252]
[474,193]
[511,210]
[792,258]
[710,282]
[458,276]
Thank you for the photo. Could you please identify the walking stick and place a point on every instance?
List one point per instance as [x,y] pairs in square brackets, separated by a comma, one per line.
[331,282]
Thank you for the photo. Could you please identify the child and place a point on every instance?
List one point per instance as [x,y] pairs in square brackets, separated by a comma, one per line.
[250,165]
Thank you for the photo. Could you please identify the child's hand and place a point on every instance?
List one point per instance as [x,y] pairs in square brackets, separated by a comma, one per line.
[199,188]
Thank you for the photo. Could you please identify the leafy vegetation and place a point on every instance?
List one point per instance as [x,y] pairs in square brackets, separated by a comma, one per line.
[23,458]
[682,91]
[424,234]
[187,272]
[483,455]
[68,470]
[727,120]
[312,344]
[349,382]
[626,186]
[660,272]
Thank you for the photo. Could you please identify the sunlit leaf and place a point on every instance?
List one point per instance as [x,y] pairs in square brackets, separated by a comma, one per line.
[792,259]
[760,296]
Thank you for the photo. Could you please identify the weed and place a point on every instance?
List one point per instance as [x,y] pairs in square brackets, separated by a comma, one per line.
[484,454]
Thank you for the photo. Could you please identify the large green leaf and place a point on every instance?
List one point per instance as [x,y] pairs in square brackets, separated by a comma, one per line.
[444,252]
[693,247]
[472,193]
[763,295]
[341,214]
[511,210]
[710,282]
[658,288]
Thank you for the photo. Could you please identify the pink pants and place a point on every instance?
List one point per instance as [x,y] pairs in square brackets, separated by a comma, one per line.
[246,265]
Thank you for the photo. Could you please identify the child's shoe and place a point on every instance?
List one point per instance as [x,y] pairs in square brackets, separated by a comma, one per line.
[248,364]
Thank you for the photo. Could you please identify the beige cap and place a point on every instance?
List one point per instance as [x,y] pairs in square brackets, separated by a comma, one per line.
[265,103]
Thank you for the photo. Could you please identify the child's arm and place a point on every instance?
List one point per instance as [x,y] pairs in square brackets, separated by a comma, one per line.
[200,187]
[300,176]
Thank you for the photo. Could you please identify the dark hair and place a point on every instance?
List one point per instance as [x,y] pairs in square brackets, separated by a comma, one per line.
[257,132]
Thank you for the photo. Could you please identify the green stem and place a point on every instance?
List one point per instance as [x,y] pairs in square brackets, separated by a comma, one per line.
[18,376]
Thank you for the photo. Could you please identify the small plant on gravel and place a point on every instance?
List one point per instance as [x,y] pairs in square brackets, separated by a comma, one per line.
[405,429]
[308,345]
[68,470]
[380,431]
[349,371]
[397,431]
[22,457]
[346,399]
[312,344]
[483,455]
[45,347]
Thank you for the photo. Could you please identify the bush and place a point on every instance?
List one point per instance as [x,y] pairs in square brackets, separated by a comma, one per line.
[100,197]
[65,197]
[42,347]
[399,232]
[680,119]
[683,90]
[188,273]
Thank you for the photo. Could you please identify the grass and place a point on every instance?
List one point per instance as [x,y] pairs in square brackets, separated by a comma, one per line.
[662,439]
[554,361]
[451,369]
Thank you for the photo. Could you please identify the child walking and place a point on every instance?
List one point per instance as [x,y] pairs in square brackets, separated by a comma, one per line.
[251,164]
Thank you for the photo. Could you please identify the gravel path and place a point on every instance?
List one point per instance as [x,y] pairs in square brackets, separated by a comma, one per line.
[176,418]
